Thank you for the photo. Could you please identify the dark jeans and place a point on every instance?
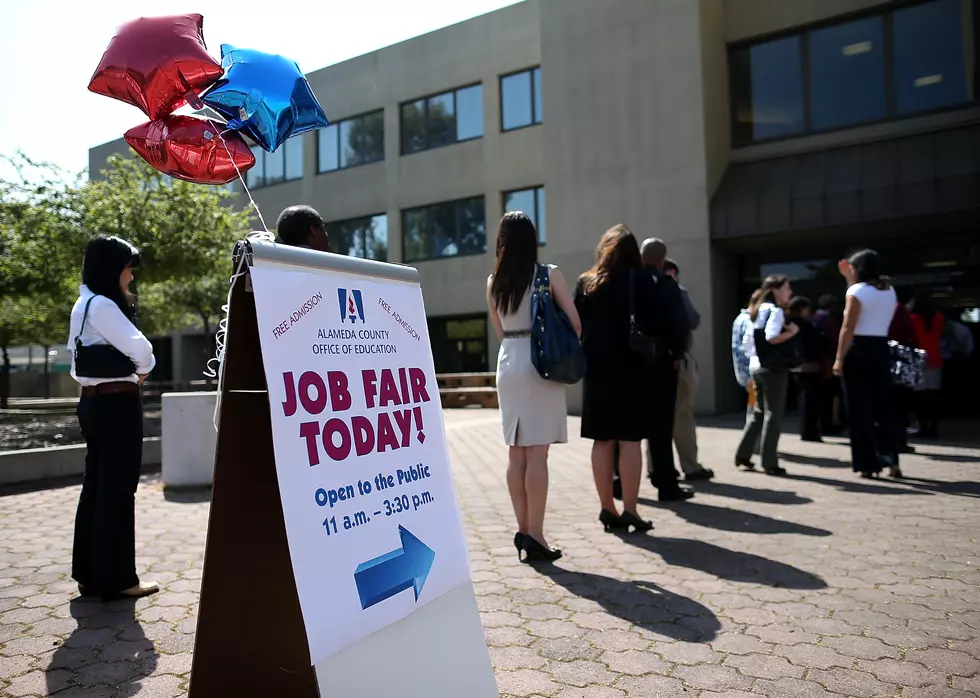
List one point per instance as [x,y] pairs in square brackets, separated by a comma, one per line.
[766,419]
[867,385]
[104,552]
[809,386]
[660,443]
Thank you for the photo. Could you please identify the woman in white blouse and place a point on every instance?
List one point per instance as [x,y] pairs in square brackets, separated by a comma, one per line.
[862,360]
[110,358]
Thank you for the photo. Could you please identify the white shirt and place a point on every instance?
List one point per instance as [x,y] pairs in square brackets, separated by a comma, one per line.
[106,324]
[877,309]
[774,318]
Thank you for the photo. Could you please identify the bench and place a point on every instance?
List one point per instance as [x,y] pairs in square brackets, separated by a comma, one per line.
[483,396]
[466,380]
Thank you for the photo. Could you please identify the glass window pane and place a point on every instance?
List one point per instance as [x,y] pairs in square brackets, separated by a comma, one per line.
[338,234]
[349,154]
[440,122]
[542,221]
[538,106]
[847,74]
[767,86]
[275,170]
[327,156]
[254,176]
[443,231]
[413,126]
[355,233]
[376,239]
[522,200]
[371,139]
[930,70]
[294,157]
[469,113]
[516,104]
[472,226]
[415,236]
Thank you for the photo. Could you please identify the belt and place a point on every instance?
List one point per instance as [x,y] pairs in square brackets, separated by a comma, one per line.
[517,334]
[110,388]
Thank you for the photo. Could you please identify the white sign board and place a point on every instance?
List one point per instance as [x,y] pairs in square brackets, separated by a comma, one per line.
[370,511]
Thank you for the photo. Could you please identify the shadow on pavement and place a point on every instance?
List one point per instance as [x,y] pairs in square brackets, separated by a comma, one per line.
[641,603]
[960,489]
[148,473]
[813,460]
[725,519]
[123,661]
[727,564]
[187,495]
[861,487]
[751,494]
[951,457]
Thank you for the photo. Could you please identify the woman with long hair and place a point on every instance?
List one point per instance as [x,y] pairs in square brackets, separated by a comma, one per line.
[617,408]
[929,324]
[862,361]
[766,312]
[532,410]
[111,419]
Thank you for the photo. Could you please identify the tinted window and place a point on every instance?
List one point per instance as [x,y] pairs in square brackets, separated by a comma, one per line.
[275,166]
[413,126]
[538,102]
[517,106]
[469,113]
[767,82]
[360,237]
[254,177]
[294,157]
[542,220]
[930,70]
[442,119]
[847,74]
[328,156]
[531,202]
[444,230]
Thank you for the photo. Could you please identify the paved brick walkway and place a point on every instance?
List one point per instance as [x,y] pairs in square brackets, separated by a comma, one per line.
[819,584]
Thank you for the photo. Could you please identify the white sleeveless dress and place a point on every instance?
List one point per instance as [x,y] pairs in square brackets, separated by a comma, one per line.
[533,411]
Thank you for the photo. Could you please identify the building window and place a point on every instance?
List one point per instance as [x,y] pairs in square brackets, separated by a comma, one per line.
[886,65]
[520,99]
[281,166]
[459,344]
[847,75]
[442,119]
[767,86]
[365,237]
[358,140]
[930,72]
[531,201]
[444,230]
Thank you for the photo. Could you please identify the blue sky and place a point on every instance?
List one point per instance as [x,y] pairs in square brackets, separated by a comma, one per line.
[50,48]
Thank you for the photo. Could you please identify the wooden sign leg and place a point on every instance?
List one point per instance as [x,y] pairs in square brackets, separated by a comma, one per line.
[251,640]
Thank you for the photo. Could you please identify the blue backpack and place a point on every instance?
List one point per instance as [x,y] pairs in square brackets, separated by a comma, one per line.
[556,351]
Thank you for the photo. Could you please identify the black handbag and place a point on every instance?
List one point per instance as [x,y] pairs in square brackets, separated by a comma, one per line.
[777,357]
[907,366]
[100,360]
[643,344]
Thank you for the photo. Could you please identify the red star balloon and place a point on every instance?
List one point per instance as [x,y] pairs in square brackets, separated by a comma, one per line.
[157,64]
[189,148]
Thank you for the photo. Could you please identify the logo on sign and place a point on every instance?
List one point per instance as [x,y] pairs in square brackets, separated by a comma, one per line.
[351,305]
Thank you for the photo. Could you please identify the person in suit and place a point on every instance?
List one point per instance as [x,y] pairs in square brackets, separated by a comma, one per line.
[302,226]
[808,373]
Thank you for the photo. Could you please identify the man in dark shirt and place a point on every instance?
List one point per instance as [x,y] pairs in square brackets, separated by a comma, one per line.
[302,226]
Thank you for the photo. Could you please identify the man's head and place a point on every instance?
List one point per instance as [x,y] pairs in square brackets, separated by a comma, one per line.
[800,307]
[301,226]
[654,253]
[671,269]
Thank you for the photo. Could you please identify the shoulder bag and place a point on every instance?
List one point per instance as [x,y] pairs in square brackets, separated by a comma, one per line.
[641,343]
[556,351]
[100,360]
[776,357]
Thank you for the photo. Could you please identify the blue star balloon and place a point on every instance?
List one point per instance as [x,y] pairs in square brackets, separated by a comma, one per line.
[265,95]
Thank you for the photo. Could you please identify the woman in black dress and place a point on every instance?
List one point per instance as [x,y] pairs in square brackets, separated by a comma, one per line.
[617,407]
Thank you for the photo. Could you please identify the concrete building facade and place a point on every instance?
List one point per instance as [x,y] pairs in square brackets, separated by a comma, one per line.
[725,127]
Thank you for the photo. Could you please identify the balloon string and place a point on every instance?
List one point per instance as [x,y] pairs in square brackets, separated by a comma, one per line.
[241,179]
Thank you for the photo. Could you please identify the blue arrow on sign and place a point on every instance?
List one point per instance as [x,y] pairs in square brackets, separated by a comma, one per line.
[394,572]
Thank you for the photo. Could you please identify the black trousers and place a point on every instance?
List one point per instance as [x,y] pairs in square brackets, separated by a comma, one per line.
[830,388]
[809,386]
[660,442]
[104,552]
[867,385]
[900,404]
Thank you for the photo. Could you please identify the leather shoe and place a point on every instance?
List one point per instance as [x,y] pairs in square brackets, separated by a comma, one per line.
[141,589]
[702,474]
[678,495]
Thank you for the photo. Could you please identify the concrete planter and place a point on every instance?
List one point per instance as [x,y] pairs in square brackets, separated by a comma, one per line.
[189,439]
[36,464]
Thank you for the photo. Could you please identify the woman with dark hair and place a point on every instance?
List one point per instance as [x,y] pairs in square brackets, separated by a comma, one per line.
[766,312]
[532,410]
[616,399]
[862,361]
[110,358]
[929,324]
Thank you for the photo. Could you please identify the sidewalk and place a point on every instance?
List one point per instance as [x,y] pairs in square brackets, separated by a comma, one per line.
[818,584]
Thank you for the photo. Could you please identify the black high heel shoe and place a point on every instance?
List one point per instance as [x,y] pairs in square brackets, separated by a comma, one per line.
[611,522]
[519,543]
[744,463]
[638,524]
[535,552]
